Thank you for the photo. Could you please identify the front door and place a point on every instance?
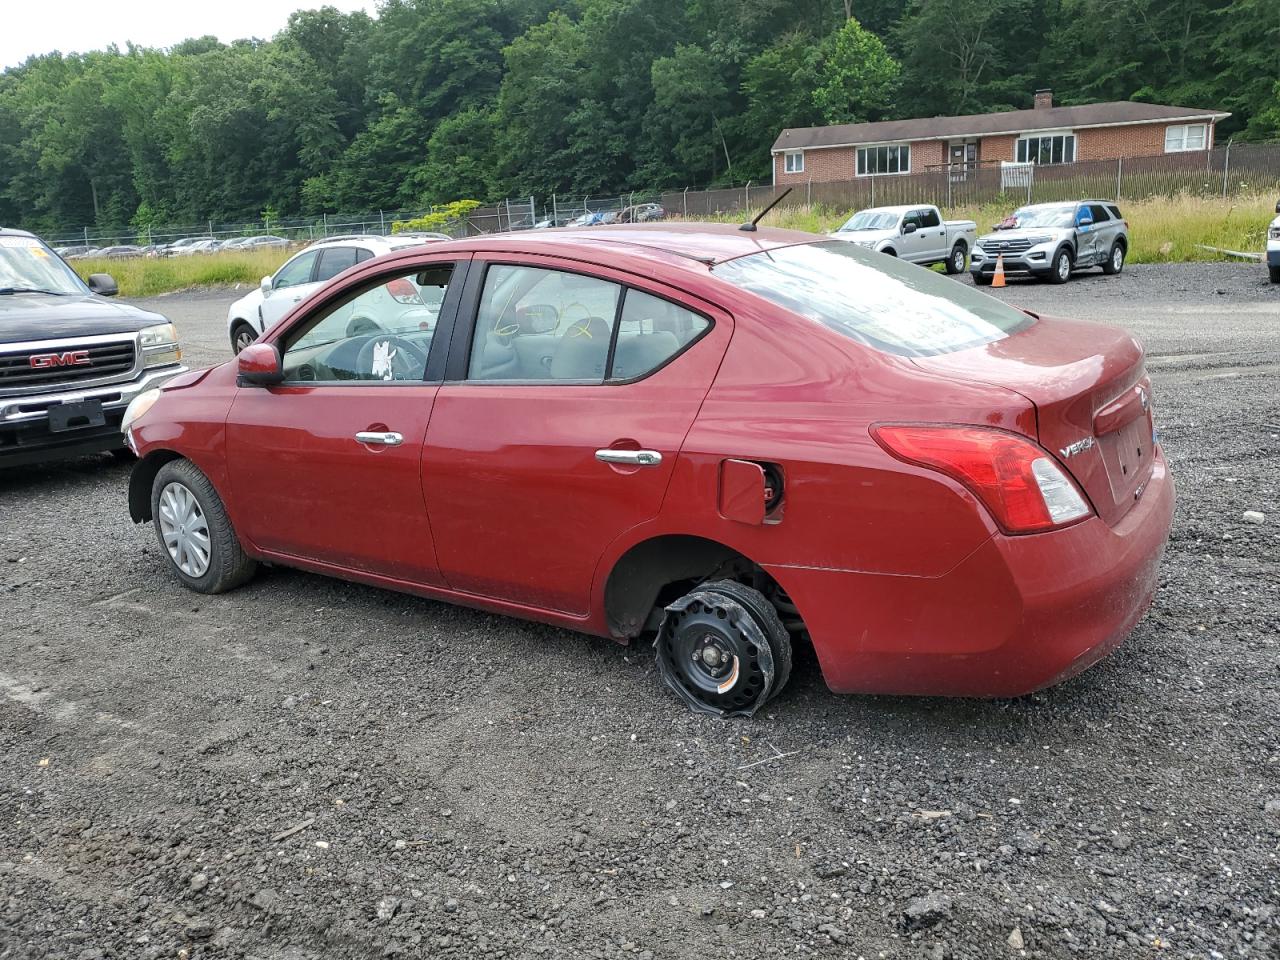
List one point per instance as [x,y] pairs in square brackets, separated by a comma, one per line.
[328,463]
[561,425]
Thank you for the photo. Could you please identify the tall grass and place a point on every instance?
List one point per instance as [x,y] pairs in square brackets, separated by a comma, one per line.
[146,277]
[1160,230]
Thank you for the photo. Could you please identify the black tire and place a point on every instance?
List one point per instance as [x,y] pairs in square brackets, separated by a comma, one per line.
[1057,272]
[242,334]
[1275,274]
[226,565]
[958,259]
[890,252]
[981,279]
[1115,260]
[723,618]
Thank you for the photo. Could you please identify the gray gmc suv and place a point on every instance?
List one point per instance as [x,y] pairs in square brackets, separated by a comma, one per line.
[70,360]
[1050,240]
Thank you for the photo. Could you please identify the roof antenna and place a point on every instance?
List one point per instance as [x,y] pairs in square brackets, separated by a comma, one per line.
[751,227]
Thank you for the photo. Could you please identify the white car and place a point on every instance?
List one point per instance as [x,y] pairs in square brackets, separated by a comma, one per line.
[302,275]
[1273,247]
[915,232]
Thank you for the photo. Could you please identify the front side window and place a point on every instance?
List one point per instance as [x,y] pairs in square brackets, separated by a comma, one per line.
[1183,137]
[887,159]
[536,324]
[1047,149]
[888,304]
[794,161]
[296,271]
[380,335]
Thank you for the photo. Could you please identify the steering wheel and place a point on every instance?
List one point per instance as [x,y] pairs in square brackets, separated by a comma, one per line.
[390,358]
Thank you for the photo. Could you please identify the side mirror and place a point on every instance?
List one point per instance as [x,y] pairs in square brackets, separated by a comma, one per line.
[259,364]
[908,228]
[265,286]
[1085,221]
[103,284]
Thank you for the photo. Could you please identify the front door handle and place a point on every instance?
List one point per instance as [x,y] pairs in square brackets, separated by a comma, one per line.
[634,458]
[380,438]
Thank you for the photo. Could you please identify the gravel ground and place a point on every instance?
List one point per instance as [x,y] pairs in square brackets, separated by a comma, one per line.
[306,768]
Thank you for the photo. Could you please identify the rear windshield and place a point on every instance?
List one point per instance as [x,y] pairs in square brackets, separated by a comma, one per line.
[889,304]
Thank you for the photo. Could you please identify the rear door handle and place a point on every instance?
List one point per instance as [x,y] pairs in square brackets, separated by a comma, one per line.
[380,438]
[635,458]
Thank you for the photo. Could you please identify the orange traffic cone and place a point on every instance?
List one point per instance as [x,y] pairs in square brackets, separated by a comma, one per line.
[997,278]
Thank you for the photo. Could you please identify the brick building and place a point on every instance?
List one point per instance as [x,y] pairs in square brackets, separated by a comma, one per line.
[1044,134]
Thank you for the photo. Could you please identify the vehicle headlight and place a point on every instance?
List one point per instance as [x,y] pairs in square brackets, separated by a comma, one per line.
[1036,241]
[160,345]
[138,406]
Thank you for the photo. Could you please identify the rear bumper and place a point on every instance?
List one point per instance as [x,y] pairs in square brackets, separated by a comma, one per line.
[25,436]
[1017,615]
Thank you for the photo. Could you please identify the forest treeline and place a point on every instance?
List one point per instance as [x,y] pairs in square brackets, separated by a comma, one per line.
[434,100]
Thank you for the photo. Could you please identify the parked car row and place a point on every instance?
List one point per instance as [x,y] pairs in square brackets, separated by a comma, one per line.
[1049,241]
[188,246]
[636,213]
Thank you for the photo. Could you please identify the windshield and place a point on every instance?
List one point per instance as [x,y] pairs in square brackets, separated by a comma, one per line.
[27,264]
[870,220]
[1060,216]
[894,306]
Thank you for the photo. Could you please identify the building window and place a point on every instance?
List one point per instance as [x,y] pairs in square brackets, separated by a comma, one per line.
[793,161]
[890,158]
[1187,136]
[1047,148]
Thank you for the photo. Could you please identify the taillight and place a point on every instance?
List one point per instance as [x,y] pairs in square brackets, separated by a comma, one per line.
[402,291]
[1018,481]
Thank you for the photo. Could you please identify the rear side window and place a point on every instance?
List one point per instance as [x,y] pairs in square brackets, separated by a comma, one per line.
[884,303]
[1115,211]
[333,260]
[536,324]
[652,331]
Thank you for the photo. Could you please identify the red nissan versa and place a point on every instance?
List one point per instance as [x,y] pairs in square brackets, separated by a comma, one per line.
[727,440]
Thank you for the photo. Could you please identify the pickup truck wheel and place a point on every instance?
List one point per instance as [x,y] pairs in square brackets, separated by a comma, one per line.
[241,336]
[194,531]
[1115,260]
[958,260]
[1061,270]
[723,649]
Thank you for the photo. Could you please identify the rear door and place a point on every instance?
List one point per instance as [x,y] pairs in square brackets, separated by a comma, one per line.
[569,394]
[934,243]
[1105,228]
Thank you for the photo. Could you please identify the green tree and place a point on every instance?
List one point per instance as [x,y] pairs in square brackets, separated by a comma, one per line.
[858,77]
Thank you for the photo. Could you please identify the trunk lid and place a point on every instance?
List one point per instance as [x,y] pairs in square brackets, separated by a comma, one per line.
[1092,396]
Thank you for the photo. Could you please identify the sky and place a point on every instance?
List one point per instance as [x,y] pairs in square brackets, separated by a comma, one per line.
[82,25]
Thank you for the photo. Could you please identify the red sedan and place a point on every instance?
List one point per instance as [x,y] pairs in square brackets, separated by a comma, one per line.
[729,441]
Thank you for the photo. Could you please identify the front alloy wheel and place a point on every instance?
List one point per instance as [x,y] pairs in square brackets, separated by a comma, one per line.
[1061,271]
[723,649]
[242,337]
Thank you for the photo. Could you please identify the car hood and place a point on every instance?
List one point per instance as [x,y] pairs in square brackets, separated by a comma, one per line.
[864,236]
[1021,233]
[38,316]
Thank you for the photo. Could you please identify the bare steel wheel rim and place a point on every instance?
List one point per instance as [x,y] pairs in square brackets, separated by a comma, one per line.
[184,529]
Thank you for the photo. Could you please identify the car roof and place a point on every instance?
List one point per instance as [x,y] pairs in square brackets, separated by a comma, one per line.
[14,232]
[671,242]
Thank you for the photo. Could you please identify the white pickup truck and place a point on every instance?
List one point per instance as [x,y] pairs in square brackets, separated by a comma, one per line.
[916,233]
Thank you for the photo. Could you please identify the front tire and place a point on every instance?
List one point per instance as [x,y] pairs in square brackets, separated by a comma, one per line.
[1115,260]
[1060,272]
[958,260]
[194,531]
[241,336]
[723,650]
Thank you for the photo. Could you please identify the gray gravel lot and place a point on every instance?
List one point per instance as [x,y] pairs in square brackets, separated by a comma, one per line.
[306,768]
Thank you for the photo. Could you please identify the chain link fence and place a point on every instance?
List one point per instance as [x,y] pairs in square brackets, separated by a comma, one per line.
[1232,170]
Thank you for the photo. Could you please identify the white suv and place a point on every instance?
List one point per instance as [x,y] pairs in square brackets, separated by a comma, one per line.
[301,276]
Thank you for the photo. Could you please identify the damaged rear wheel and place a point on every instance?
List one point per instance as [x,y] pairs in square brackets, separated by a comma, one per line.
[723,649]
